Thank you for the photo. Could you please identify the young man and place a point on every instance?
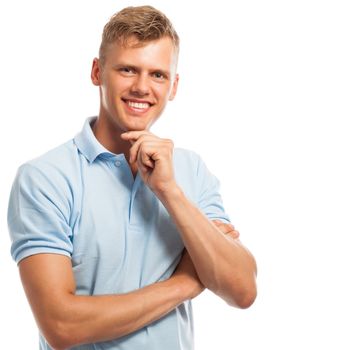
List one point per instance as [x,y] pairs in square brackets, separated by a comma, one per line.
[115,231]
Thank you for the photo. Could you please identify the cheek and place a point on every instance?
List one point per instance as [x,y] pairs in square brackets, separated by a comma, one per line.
[163,92]
[104,95]
[112,91]
[107,95]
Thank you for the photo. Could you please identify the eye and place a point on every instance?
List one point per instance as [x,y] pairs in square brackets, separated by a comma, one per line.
[159,75]
[126,70]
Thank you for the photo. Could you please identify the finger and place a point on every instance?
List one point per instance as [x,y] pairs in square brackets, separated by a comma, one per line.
[142,168]
[227,229]
[134,149]
[145,157]
[149,153]
[154,147]
[132,136]
[224,227]
[220,223]
[233,234]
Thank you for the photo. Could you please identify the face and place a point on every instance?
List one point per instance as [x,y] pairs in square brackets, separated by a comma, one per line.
[135,83]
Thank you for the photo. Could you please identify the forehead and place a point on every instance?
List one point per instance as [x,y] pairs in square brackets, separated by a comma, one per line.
[160,52]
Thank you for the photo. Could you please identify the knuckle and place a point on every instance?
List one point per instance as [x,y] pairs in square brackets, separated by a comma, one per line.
[142,147]
[141,138]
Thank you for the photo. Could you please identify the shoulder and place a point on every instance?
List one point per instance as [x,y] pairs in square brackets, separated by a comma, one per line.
[55,171]
[189,171]
[186,157]
[41,204]
[192,161]
[61,161]
[199,184]
[60,158]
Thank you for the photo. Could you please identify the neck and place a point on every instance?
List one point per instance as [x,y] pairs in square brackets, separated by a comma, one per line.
[109,137]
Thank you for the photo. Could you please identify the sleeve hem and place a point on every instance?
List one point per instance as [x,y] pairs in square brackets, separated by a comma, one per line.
[225,220]
[34,251]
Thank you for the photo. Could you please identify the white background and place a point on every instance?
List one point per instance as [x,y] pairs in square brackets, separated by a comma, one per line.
[263,97]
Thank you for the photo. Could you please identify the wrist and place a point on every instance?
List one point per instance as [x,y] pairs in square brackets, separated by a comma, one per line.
[168,191]
[185,287]
[179,287]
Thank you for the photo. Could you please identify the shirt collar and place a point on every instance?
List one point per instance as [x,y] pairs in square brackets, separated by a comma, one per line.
[88,145]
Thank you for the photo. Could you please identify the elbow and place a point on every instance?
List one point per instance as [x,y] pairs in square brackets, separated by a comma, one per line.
[246,300]
[245,287]
[242,297]
[58,336]
[59,343]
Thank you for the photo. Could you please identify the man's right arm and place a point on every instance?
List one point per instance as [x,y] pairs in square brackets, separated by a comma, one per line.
[66,319]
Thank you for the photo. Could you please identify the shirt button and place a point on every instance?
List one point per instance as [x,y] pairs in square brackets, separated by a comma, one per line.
[118,163]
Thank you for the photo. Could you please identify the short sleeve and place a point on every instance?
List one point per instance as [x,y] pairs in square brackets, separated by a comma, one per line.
[208,194]
[38,213]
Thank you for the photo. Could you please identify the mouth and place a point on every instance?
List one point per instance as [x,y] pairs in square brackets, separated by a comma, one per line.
[137,106]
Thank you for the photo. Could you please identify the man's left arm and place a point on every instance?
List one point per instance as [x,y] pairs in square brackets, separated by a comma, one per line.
[222,263]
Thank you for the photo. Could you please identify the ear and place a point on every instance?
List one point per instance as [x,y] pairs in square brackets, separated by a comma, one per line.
[174,88]
[96,72]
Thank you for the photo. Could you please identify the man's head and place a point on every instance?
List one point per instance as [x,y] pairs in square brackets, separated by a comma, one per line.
[136,70]
[144,23]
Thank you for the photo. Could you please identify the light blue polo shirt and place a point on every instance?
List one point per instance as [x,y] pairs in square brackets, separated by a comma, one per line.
[82,201]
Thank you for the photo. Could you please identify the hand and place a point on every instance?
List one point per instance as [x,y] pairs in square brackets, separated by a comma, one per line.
[226,229]
[188,277]
[154,159]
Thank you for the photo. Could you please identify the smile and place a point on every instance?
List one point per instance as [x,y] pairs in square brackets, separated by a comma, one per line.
[138,105]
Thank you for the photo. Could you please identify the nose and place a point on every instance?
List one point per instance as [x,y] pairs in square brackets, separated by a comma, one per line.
[140,85]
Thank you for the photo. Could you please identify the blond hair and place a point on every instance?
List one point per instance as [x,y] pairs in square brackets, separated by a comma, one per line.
[143,22]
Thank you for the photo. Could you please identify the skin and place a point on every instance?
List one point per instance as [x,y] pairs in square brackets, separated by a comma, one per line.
[223,265]
[214,257]
[144,73]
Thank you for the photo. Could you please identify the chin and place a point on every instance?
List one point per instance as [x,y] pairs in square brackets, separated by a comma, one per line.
[137,127]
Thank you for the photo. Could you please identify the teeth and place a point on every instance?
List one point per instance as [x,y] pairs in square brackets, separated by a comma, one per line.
[139,105]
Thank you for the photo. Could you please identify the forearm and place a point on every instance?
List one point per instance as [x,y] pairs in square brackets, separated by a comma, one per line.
[223,265]
[66,319]
[89,319]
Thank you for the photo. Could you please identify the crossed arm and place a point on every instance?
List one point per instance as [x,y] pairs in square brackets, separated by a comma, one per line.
[66,319]
[223,265]
[214,258]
